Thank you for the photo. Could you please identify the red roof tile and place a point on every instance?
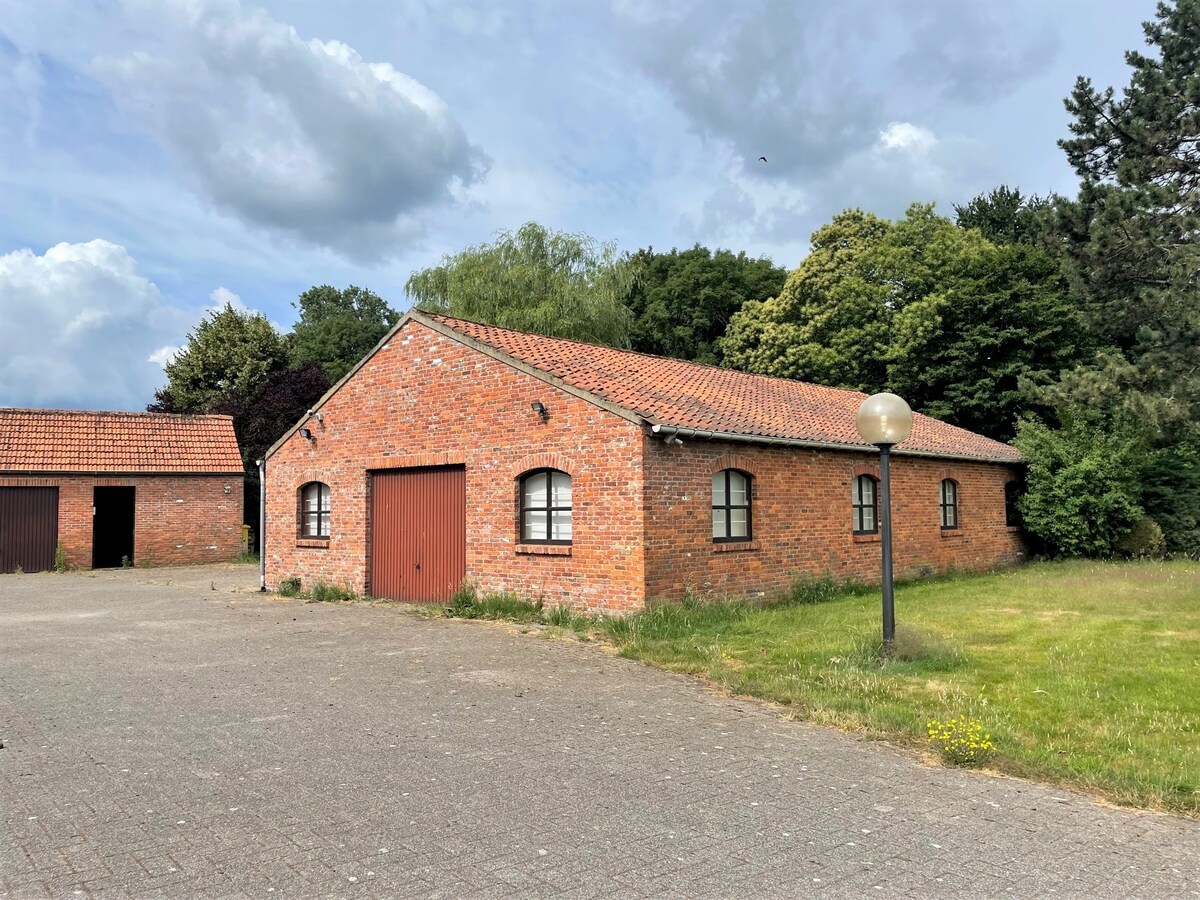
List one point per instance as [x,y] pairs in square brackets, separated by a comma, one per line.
[673,393]
[56,440]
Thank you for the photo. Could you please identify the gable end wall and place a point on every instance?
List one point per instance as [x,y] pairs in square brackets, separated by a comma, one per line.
[425,399]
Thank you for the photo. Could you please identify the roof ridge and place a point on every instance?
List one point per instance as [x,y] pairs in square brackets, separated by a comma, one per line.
[642,353]
[29,410]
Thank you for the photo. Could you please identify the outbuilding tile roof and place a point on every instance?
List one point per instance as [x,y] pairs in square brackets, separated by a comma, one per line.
[671,392]
[70,440]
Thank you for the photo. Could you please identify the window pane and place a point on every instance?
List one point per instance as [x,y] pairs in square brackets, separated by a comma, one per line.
[323,495]
[324,532]
[868,518]
[312,524]
[561,486]
[718,482]
[738,523]
[535,525]
[560,526]
[535,490]
[737,489]
[719,523]
[868,490]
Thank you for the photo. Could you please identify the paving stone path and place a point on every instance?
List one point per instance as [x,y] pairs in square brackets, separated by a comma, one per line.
[174,733]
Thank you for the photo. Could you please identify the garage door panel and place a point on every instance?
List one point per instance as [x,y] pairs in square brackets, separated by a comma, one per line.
[418,533]
[28,528]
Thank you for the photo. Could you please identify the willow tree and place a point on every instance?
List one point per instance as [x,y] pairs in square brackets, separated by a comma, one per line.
[534,279]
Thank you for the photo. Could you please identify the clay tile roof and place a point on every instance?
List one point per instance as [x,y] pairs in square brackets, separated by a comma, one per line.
[673,393]
[60,440]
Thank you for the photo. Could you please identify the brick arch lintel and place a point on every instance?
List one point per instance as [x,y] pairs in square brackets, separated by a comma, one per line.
[309,477]
[866,468]
[544,461]
[732,461]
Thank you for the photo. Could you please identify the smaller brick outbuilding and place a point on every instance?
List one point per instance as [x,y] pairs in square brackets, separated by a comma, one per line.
[117,488]
[602,478]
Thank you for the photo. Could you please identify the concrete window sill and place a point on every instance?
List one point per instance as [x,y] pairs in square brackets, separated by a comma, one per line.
[735,546]
[313,543]
[545,549]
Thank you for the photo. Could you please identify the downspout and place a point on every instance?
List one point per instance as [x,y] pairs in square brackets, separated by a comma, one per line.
[262,525]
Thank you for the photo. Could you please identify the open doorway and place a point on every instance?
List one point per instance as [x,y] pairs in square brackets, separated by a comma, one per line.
[112,527]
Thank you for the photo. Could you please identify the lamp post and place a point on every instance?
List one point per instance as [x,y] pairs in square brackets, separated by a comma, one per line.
[885,420]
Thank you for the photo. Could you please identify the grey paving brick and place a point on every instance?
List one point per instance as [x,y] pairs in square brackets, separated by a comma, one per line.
[260,747]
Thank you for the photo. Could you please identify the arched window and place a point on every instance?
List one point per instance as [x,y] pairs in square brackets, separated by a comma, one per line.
[731,518]
[546,507]
[314,510]
[949,503]
[864,501]
[1012,497]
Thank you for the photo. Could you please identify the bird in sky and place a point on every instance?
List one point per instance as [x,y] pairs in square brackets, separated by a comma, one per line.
[763,158]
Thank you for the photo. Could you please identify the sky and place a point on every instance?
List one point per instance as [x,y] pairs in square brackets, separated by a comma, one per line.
[161,158]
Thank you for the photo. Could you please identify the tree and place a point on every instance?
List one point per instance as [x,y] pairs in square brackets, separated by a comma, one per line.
[957,325]
[830,322]
[970,351]
[338,328]
[535,279]
[682,301]
[264,417]
[230,353]
[1132,238]
[1006,216]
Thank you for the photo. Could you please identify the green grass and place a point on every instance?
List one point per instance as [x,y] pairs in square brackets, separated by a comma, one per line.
[1084,673]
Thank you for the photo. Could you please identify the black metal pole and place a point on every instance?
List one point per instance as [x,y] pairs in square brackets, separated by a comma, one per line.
[885,533]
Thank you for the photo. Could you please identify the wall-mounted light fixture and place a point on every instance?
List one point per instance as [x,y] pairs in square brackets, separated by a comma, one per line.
[540,408]
[306,433]
[228,489]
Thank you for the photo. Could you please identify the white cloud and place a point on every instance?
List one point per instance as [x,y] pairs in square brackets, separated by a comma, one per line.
[163,355]
[83,327]
[223,297]
[906,136]
[301,137]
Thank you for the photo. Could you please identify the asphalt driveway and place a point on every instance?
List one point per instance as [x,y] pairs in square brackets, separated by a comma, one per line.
[172,732]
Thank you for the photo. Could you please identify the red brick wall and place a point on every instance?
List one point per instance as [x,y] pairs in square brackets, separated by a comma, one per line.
[802,518]
[178,519]
[427,400]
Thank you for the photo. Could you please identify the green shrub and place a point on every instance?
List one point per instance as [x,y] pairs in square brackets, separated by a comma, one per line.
[60,558]
[126,563]
[1171,496]
[1144,539]
[323,592]
[289,587]
[1083,485]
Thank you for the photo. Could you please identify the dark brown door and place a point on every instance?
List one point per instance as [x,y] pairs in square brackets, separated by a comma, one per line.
[28,528]
[418,533]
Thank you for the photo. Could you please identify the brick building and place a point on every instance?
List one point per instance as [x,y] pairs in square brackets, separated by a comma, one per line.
[116,488]
[601,478]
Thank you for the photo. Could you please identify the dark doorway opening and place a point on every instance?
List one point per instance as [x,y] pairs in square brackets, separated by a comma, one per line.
[112,527]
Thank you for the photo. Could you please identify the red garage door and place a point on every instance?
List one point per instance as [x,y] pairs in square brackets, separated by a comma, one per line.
[418,533]
[28,528]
